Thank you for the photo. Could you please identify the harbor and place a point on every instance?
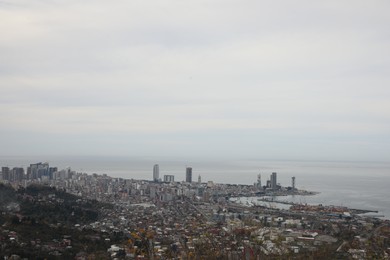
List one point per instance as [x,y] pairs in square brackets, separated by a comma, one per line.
[272,202]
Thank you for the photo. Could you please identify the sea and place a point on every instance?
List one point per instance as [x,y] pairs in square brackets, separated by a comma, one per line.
[359,185]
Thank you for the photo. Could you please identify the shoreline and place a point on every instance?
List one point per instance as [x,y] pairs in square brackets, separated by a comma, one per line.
[331,210]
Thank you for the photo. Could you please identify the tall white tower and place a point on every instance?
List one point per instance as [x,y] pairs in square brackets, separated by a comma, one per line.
[156,173]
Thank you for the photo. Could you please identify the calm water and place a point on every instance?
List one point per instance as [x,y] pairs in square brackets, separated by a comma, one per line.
[363,185]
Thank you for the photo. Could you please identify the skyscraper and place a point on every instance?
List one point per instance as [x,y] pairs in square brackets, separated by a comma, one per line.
[259,181]
[37,170]
[169,178]
[156,173]
[273,181]
[16,174]
[6,173]
[188,174]
[293,183]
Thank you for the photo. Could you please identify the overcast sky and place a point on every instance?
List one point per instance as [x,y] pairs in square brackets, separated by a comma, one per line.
[301,80]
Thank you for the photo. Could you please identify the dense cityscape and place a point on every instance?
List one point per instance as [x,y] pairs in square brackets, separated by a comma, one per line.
[97,216]
[194,130]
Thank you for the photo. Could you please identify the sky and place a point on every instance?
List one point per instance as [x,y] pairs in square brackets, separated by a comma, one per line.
[288,80]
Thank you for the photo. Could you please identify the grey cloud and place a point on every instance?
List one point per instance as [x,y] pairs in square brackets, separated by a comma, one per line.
[242,74]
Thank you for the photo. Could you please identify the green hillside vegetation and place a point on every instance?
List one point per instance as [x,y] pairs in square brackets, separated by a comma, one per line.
[49,224]
[7,195]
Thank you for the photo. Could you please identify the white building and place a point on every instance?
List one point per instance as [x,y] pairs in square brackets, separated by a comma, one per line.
[156,172]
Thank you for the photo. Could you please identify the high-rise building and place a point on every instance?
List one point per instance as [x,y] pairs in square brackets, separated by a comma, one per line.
[293,183]
[6,173]
[52,170]
[156,172]
[199,179]
[259,181]
[273,181]
[17,174]
[37,170]
[169,178]
[188,174]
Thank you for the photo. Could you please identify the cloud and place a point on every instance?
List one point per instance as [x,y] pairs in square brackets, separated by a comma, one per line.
[306,68]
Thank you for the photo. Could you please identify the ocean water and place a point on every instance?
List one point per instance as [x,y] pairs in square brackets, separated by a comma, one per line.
[361,185]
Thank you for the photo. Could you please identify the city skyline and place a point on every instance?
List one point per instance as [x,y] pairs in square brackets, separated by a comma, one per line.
[290,81]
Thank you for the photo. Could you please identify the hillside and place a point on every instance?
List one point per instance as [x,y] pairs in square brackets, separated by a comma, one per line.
[40,222]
